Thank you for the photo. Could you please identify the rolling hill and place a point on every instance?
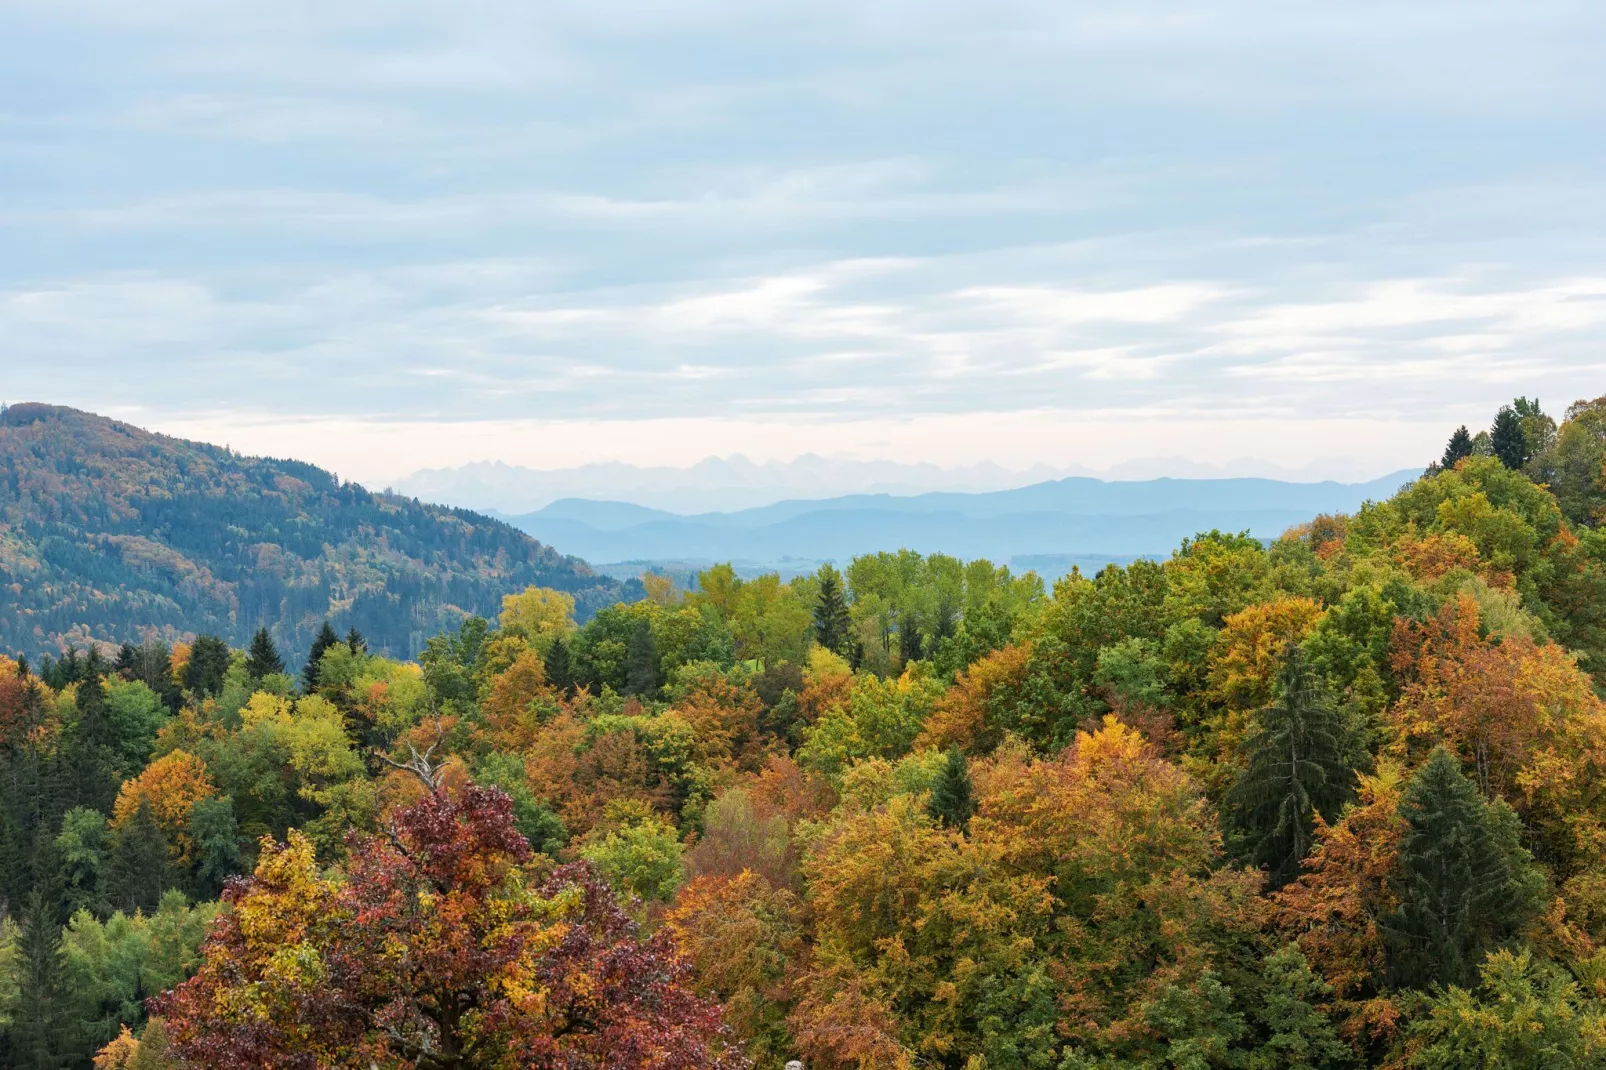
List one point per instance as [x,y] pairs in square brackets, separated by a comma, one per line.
[1066,521]
[117,534]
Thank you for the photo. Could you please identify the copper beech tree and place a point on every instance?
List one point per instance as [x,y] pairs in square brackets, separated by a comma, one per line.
[437,947]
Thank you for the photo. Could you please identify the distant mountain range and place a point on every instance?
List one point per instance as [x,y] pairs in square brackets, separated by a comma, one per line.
[116,534]
[1048,526]
[735,483]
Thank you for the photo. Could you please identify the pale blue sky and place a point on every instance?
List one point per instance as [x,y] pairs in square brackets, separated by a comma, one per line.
[384,235]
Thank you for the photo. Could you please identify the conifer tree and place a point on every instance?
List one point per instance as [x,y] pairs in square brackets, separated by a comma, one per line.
[1507,438]
[559,665]
[1465,883]
[325,639]
[262,659]
[952,803]
[1459,447]
[1299,762]
[209,661]
[832,626]
[355,642]
[37,1024]
[89,750]
[641,661]
[141,865]
[217,845]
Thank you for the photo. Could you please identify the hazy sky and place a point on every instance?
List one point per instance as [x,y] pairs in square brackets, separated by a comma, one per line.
[384,235]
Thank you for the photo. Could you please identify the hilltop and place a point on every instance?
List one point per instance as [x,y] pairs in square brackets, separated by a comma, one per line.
[114,533]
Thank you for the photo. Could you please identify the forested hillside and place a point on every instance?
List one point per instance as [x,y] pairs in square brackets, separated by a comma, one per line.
[1330,803]
[112,533]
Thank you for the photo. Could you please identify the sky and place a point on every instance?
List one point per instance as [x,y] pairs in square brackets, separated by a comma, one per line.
[384,236]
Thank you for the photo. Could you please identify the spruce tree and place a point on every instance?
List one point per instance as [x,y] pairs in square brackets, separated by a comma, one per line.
[1299,762]
[831,622]
[127,661]
[1465,883]
[641,662]
[262,659]
[1459,447]
[209,661]
[325,639]
[952,803]
[1507,438]
[37,1021]
[141,865]
[88,756]
[355,642]
[559,665]
[217,845]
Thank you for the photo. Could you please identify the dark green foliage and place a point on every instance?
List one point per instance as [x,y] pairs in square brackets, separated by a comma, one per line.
[1297,1034]
[37,1021]
[1507,438]
[262,658]
[209,661]
[81,861]
[141,866]
[129,532]
[832,626]
[217,845]
[952,803]
[536,823]
[1466,885]
[89,754]
[641,662]
[325,639]
[1459,447]
[355,642]
[559,666]
[1299,762]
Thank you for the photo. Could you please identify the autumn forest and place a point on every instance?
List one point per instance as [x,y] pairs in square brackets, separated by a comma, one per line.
[1330,801]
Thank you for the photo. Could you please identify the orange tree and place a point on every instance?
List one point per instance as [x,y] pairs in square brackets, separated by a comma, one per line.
[436,948]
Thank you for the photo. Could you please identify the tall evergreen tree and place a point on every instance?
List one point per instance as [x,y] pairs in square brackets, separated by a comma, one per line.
[217,845]
[1459,447]
[209,661]
[37,1022]
[641,662]
[89,750]
[832,625]
[559,665]
[1507,438]
[141,865]
[952,802]
[355,642]
[1465,883]
[325,639]
[127,661]
[1299,762]
[262,659]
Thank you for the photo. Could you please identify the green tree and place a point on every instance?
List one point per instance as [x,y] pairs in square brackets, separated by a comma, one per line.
[641,661]
[952,802]
[217,845]
[1465,883]
[325,639]
[209,661]
[81,858]
[37,1019]
[1299,762]
[141,864]
[1297,1033]
[1459,447]
[559,665]
[1523,1014]
[833,626]
[1507,438]
[262,659]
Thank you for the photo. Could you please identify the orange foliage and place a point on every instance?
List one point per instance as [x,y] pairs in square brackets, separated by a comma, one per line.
[507,708]
[119,1053]
[1335,909]
[966,715]
[170,786]
[725,719]
[1253,646]
[1429,557]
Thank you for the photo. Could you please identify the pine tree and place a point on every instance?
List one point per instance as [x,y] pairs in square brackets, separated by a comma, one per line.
[1466,885]
[641,662]
[217,845]
[141,865]
[325,639]
[1459,447]
[952,803]
[832,625]
[89,750]
[1507,439]
[127,661]
[37,1022]
[209,661]
[355,642]
[559,666]
[1298,763]
[262,659]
